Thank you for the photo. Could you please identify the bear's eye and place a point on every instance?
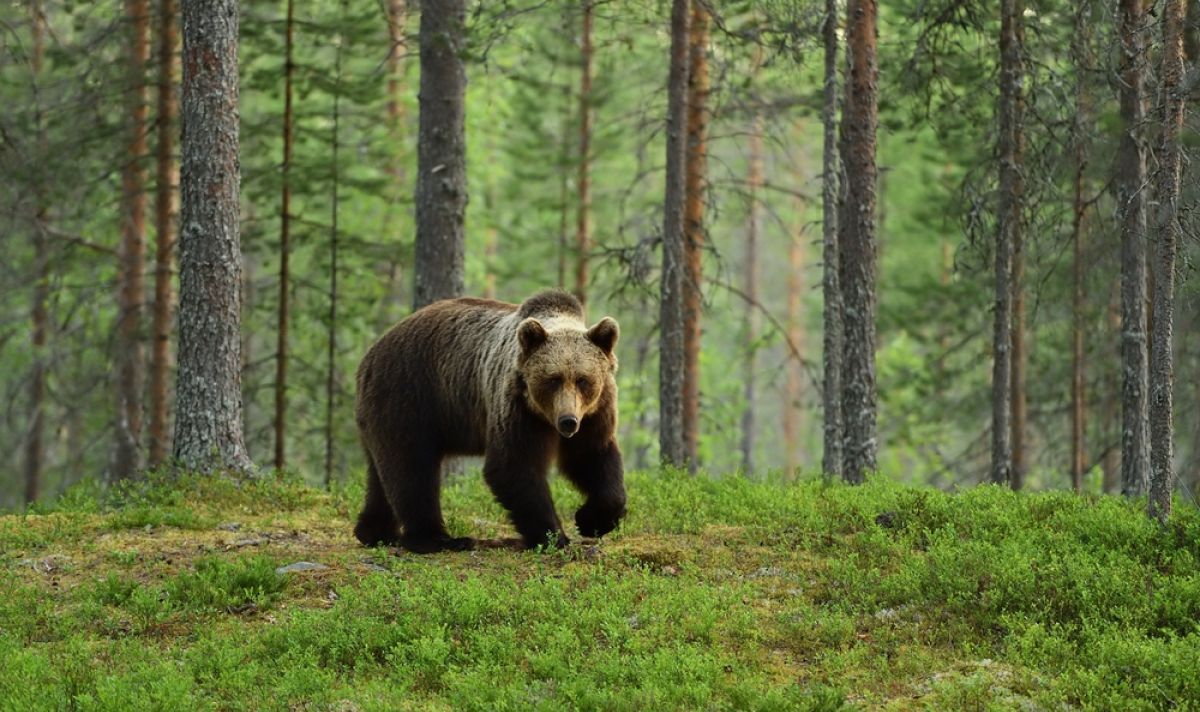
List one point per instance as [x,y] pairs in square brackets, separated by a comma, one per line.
[584,385]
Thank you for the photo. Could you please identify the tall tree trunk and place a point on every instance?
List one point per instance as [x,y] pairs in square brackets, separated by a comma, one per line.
[693,226]
[1111,462]
[285,248]
[441,154]
[1131,206]
[860,115]
[793,413]
[208,420]
[130,368]
[1168,232]
[397,20]
[39,318]
[1081,40]
[1009,209]
[832,313]
[164,221]
[754,181]
[671,357]
[1020,355]
[331,355]
[490,250]
[583,238]
[564,182]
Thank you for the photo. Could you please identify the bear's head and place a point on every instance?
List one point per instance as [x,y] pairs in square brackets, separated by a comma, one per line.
[567,369]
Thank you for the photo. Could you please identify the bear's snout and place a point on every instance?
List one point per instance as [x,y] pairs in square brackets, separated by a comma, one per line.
[568,425]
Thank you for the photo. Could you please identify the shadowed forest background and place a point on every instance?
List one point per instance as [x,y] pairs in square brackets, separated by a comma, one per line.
[565,136]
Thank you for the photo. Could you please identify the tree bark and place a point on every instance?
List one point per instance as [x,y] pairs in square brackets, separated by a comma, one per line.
[671,357]
[1080,56]
[754,181]
[1168,232]
[39,318]
[1009,209]
[164,221]
[397,20]
[331,354]
[208,422]
[1110,413]
[832,313]
[793,413]
[441,154]
[693,226]
[285,248]
[583,216]
[859,118]
[130,357]
[1131,206]
[1020,356]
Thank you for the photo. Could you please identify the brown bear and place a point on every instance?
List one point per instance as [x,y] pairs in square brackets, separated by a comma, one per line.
[520,385]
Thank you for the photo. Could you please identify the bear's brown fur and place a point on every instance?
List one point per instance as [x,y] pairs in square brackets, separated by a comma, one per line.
[520,385]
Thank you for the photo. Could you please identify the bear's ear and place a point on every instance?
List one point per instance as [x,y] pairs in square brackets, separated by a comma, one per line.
[531,334]
[604,334]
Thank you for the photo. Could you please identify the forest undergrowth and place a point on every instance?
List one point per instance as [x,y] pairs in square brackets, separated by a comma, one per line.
[717,593]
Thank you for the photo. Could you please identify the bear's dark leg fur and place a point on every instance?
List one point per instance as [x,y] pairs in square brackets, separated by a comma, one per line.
[377,522]
[594,466]
[515,469]
[411,481]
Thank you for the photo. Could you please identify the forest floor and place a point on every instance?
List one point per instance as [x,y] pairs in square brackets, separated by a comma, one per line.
[715,594]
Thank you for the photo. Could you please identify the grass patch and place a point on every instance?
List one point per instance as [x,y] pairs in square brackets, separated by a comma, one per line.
[716,594]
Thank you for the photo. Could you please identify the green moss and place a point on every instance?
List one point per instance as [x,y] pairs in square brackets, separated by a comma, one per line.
[717,594]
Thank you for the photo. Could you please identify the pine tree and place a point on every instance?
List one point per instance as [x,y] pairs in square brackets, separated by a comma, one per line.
[208,422]
[164,221]
[1167,234]
[671,356]
[441,154]
[857,249]
[1130,182]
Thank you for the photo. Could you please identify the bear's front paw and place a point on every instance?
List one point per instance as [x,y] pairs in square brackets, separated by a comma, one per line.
[596,521]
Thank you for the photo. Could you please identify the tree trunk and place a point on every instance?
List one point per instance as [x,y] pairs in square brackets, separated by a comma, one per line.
[39,318]
[331,355]
[1080,43]
[1131,207]
[1020,356]
[130,368]
[1009,210]
[859,118]
[583,239]
[754,181]
[1168,232]
[832,313]
[285,248]
[397,20]
[1111,462]
[208,421]
[441,154]
[671,357]
[793,413]
[164,221]
[693,226]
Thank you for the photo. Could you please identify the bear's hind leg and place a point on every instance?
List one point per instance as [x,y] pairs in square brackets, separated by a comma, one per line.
[377,523]
[413,485]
